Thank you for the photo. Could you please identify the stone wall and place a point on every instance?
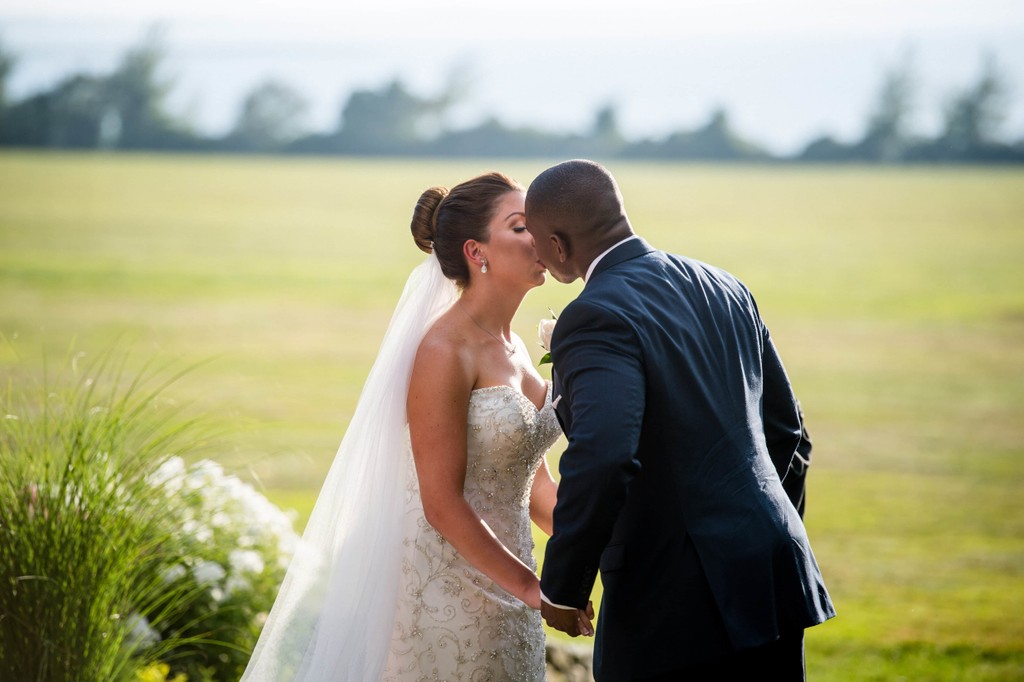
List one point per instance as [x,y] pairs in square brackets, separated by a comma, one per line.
[569,662]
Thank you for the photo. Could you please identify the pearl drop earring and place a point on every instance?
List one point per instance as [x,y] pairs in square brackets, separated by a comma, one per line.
[483,268]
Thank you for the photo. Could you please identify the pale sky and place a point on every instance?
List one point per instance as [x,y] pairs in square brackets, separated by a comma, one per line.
[596,18]
[785,69]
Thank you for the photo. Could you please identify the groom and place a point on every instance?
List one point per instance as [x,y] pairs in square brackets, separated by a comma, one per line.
[681,422]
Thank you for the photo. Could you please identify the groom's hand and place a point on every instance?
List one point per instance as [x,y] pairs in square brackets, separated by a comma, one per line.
[573,622]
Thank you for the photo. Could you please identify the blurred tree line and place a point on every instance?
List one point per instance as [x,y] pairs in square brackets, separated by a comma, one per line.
[128,109]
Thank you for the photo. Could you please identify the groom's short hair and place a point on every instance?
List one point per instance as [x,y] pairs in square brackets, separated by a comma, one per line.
[579,196]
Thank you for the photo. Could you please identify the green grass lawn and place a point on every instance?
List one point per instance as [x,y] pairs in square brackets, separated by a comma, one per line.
[896,297]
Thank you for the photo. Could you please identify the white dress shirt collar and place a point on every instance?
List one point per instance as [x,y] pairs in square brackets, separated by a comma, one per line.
[597,260]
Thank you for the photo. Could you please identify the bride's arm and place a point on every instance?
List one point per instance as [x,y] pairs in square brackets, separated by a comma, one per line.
[438,404]
[542,497]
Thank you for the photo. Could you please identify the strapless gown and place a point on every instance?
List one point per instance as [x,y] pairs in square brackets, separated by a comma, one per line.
[452,622]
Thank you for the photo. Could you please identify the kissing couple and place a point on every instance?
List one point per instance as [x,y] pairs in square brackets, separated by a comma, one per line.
[417,561]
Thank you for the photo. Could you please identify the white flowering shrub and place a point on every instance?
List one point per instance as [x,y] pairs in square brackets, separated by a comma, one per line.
[118,561]
[86,534]
[235,548]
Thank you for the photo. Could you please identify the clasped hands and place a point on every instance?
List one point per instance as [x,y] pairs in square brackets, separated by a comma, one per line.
[573,622]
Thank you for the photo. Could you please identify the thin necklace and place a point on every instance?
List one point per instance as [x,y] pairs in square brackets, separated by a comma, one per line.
[509,349]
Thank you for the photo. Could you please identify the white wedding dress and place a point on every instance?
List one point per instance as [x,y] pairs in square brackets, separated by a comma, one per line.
[372,586]
[451,621]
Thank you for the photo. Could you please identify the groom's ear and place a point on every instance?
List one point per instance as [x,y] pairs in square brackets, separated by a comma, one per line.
[561,246]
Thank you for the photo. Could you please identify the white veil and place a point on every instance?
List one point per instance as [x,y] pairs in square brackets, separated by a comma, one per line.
[334,614]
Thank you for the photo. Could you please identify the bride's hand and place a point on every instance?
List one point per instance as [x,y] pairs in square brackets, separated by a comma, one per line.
[587,620]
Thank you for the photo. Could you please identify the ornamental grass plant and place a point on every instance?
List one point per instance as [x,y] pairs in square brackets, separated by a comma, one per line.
[85,536]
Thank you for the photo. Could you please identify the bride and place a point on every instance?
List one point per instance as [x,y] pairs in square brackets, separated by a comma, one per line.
[417,559]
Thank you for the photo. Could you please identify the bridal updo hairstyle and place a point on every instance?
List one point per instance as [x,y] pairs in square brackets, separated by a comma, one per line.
[444,219]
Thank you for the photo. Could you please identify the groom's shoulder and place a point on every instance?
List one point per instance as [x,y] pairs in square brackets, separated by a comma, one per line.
[653,267]
[705,277]
[696,266]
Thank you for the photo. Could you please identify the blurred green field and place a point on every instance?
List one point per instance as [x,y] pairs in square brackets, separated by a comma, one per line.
[896,297]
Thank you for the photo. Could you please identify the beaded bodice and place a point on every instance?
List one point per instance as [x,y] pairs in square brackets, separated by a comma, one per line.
[507,436]
[452,622]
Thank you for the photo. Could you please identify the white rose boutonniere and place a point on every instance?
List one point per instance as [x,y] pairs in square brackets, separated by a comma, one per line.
[544,331]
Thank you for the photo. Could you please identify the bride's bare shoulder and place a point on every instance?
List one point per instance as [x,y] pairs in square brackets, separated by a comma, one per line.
[445,335]
[445,352]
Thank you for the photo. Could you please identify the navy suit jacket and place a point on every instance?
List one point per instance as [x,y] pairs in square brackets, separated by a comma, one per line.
[681,423]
